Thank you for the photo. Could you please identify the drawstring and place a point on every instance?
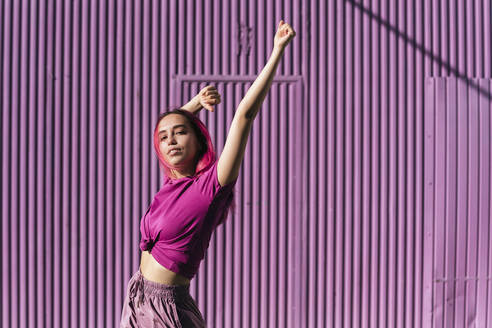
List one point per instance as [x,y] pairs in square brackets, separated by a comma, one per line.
[138,285]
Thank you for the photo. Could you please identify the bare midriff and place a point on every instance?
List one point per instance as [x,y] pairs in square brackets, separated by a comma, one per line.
[154,271]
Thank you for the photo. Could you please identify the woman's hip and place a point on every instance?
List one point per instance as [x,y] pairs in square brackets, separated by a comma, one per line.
[151,304]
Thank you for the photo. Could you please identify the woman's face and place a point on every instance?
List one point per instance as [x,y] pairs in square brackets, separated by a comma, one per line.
[177,142]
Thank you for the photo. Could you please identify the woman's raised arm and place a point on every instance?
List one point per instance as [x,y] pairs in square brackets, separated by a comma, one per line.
[232,156]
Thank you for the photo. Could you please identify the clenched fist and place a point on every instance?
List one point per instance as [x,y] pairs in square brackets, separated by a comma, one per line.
[285,33]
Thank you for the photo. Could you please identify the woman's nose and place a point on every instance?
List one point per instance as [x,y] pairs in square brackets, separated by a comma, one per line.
[171,140]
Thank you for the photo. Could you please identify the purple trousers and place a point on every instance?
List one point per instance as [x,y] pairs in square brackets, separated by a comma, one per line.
[151,304]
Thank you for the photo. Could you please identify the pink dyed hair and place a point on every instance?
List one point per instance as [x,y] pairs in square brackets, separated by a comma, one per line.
[206,155]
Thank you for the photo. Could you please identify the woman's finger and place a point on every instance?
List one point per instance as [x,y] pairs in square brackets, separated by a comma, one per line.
[210,98]
[209,107]
[212,101]
[208,87]
[211,93]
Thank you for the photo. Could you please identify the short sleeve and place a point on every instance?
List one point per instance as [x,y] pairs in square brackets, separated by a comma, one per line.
[209,182]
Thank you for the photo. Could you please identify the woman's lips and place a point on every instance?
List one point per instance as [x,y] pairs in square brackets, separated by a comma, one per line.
[174,152]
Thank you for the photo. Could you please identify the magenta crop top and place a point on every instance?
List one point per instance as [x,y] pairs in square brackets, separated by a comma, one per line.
[178,225]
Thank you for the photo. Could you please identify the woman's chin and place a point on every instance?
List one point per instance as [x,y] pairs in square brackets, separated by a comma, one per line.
[174,162]
[177,161]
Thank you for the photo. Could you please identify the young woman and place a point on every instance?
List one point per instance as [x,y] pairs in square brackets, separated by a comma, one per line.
[193,200]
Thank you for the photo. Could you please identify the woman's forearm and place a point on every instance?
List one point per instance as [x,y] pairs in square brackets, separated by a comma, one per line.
[251,103]
[233,153]
[193,106]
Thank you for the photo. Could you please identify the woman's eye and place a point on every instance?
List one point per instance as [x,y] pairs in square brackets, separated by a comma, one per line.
[181,132]
[163,137]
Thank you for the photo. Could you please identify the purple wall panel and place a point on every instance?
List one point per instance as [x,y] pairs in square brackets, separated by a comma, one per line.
[331,224]
[457,209]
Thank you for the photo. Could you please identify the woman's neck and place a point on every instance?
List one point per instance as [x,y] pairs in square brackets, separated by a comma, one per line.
[181,173]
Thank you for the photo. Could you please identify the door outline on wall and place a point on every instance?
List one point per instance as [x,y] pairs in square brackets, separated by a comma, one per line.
[456,136]
[297,248]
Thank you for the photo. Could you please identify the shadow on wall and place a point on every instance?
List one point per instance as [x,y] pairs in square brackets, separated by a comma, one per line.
[419,47]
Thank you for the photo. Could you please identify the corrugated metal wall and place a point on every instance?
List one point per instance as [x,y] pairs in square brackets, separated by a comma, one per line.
[458,181]
[366,260]
[83,81]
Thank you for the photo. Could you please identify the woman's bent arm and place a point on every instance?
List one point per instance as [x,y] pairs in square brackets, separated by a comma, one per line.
[206,98]
[233,153]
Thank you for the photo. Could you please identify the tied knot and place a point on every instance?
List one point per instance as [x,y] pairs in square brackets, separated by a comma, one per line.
[147,243]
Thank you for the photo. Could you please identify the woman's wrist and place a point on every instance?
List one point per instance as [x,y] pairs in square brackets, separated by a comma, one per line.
[277,51]
[193,105]
[276,55]
[196,103]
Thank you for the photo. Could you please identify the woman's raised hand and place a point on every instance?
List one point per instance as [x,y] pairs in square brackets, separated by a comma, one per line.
[208,97]
[285,33]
